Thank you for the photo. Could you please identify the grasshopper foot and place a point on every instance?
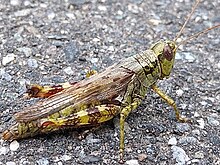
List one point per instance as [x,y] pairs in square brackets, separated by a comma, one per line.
[184,120]
[121,156]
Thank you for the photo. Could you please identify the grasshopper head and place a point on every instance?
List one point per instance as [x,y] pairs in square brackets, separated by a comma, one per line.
[165,51]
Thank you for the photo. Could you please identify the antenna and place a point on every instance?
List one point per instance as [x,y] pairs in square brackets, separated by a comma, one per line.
[197,34]
[188,17]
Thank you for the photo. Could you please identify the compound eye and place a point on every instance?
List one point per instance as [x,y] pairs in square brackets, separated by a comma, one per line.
[168,52]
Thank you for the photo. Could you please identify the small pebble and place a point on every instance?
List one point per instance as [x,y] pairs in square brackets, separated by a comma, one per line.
[68,70]
[51,15]
[25,50]
[142,157]
[7,59]
[136,1]
[133,8]
[77,2]
[218,65]
[82,154]
[188,140]
[94,60]
[215,140]
[212,121]
[155,22]
[96,40]
[43,5]
[32,63]
[120,12]
[102,8]
[91,159]
[52,50]
[22,13]
[196,114]
[14,2]
[10,163]
[189,57]
[111,48]
[27,3]
[196,161]
[182,127]
[198,19]
[199,155]
[59,163]
[70,15]
[201,123]
[14,145]
[179,92]
[196,132]
[179,155]
[92,141]
[42,161]
[185,56]
[132,162]
[172,141]
[4,75]
[71,51]
[204,103]
[3,150]
[66,157]
[23,161]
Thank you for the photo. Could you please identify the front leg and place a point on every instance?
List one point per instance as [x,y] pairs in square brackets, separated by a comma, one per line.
[123,115]
[169,101]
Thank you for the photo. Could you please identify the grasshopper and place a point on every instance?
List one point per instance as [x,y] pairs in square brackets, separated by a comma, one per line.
[116,91]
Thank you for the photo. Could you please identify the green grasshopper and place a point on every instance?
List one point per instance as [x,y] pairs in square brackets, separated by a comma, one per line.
[117,90]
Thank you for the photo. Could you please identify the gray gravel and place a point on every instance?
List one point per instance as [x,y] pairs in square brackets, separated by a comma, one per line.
[51,42]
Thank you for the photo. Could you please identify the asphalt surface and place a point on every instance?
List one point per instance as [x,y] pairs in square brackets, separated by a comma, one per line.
[50,42]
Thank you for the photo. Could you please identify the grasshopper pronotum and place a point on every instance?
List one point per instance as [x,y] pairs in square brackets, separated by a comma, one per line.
[88,102]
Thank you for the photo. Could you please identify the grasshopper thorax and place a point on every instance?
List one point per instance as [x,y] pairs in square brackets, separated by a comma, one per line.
[165,52]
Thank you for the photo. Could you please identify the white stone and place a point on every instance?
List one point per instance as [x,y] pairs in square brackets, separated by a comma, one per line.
[102,8]
[32,63]
[120,12]
[26,3]
[111,48]
[22,13]
[172,141]
[155,22]
[212,121]
[3,150]
[179,92]
[43,161]
[218,65]
[51,15]
[7,59]
[68,70]
[14,2]
[70,15]
[179,155]
[132,162]
[201,123]
[14,145]
[94,60]
[96,40]
[59,163]
[196,114]
[66,157]
[10,163]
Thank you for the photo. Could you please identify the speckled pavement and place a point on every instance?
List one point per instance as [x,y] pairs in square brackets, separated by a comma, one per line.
[54,41]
